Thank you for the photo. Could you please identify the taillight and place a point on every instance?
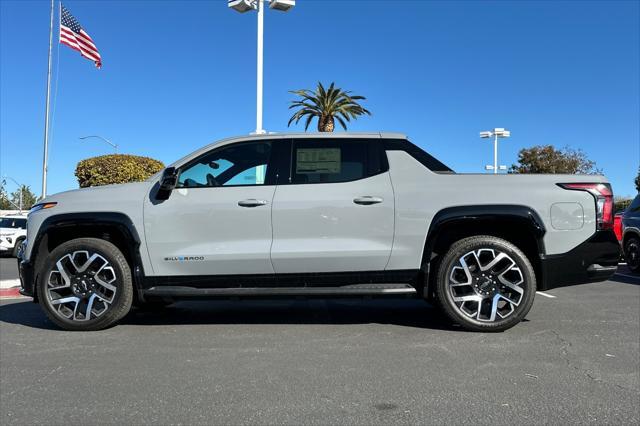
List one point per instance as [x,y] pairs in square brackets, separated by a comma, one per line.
[604,200]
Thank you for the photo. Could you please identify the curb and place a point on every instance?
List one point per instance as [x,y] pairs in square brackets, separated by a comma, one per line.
[11,293]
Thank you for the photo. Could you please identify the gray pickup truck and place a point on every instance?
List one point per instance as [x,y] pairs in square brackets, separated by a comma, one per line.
[318,215]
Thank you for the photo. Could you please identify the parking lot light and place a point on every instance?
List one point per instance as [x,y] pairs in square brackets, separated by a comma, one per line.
[498,132]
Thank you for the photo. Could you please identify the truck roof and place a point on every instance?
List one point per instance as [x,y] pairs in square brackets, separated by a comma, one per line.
[296,135]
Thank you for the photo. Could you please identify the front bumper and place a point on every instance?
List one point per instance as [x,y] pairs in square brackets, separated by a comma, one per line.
[7,242]
[25,272]
[594,260]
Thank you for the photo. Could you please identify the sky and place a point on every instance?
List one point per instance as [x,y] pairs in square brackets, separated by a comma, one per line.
[178,75]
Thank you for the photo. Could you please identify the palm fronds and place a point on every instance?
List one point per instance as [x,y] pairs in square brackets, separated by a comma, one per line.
[325,105]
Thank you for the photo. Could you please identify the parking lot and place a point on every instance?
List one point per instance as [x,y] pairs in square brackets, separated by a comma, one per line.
[574,360]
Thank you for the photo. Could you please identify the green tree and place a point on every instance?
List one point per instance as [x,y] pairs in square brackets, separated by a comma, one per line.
[547,159]
[326,105]
[638,181]
[4,199]
[621,203]
[28,197]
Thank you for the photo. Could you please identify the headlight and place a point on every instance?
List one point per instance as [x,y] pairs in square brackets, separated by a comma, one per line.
[41,206]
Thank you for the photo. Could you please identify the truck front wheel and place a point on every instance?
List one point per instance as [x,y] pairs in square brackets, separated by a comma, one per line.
[485,283]
[85,285]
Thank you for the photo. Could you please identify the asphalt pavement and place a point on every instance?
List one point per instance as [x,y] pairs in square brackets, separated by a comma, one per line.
[8,268]
[575,360]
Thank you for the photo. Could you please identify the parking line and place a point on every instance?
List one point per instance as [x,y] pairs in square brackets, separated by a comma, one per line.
[9,283]
[546,295]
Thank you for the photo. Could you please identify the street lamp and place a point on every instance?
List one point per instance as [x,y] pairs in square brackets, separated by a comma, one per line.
[115,146]
[496,133]
[258,5]
[19,190]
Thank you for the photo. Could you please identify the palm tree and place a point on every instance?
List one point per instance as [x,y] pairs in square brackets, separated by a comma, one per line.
[327,105]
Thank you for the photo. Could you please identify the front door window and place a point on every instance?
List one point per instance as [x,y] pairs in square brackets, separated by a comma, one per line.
[236,165]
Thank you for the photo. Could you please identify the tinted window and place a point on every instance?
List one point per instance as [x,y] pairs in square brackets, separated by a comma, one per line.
[416,152]
[233,165]
[332,161]
[12,222]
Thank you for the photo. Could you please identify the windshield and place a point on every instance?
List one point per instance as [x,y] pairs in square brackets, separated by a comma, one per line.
[13,222]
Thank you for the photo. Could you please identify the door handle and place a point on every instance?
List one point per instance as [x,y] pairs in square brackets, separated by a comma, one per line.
[252,202]
[367,200]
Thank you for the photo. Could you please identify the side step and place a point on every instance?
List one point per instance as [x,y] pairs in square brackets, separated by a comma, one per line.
[353,290]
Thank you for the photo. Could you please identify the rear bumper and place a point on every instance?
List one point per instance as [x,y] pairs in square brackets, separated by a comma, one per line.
[594,260]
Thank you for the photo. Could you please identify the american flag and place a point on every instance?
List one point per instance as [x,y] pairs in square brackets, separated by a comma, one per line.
[74,36]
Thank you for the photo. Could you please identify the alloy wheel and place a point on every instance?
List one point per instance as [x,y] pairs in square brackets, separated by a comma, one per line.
[81,286]
[486,285]
[633,254]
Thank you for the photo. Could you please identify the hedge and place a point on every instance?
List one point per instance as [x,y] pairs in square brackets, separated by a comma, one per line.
[116,168]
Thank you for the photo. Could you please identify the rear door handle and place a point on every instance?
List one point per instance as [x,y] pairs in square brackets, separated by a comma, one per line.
[252,202]
[367,200]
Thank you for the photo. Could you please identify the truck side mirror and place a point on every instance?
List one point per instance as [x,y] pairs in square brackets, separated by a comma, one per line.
[168,182]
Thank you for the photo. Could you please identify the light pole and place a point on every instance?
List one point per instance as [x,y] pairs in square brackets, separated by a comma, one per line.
[258,5]
[496,133]
[115,146]
[19,189]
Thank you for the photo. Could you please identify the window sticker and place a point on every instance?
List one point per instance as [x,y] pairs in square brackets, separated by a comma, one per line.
[318,160]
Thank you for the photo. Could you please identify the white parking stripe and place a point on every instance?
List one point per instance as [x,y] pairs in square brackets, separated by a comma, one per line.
[9,283]
[545,295]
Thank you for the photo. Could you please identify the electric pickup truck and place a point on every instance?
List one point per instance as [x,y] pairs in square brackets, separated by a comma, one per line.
[318,215]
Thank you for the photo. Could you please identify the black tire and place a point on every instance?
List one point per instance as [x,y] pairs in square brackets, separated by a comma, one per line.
[16,248]
[119,270]
[457,311]
[632,253]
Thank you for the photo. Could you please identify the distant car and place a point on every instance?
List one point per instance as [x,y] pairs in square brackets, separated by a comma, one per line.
[631,235]
[13,231]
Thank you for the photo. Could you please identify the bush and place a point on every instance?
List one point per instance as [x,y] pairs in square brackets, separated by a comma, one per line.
[117,168]
[620,204]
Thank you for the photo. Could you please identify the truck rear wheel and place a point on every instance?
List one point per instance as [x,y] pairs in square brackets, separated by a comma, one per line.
[85,285]
[485,283]
[632,254]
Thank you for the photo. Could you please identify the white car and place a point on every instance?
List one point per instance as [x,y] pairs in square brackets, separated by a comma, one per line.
[13,230]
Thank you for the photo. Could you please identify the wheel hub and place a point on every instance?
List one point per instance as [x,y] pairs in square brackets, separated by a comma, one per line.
[82,285]
[485,284]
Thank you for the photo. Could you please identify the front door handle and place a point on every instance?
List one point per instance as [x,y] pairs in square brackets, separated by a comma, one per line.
[252,202]
[367,200]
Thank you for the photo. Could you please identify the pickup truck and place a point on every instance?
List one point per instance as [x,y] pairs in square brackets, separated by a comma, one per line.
[318,215]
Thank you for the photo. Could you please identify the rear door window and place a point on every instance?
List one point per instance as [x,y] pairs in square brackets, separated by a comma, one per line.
[334,160]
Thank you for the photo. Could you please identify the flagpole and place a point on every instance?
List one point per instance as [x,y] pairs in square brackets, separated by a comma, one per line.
[45,158]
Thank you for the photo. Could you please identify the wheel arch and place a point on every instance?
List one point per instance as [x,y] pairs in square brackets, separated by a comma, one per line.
[500,220]
[628,233]
[114,227]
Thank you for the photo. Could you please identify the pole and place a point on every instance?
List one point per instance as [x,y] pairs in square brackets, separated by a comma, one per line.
[45,157]
[495,154]
[259,129]
[20,199]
